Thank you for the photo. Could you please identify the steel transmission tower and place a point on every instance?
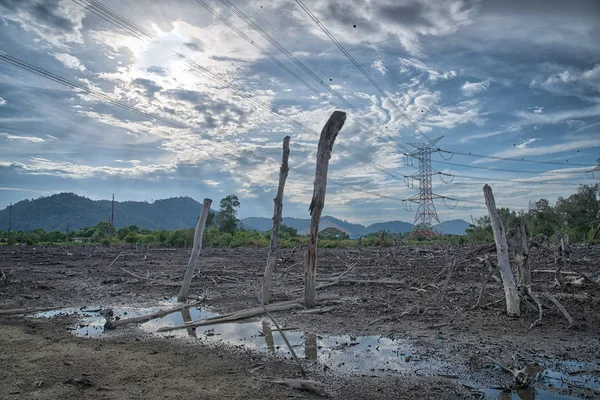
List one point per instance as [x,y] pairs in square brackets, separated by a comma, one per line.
[426,212]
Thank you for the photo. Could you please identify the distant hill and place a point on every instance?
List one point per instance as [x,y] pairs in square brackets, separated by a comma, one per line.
[455,226]
[392,227]
[56,211]
[260,224]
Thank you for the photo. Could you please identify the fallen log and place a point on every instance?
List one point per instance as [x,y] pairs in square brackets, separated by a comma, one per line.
[586,277]
[560,307]
[242,314]
[110,324]
[28,310]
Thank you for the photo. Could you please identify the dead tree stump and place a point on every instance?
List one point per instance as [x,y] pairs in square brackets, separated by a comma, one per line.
[508,279]
[278,209]
[187,279]
[328,135]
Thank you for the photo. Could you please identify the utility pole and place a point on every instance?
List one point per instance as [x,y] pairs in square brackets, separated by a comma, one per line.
[67,240]
[426,212]
[9,219]
[112,217]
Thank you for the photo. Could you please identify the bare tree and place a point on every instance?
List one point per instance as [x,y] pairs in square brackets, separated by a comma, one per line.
[508,279]
[328,135]
[278,209]
[187,279]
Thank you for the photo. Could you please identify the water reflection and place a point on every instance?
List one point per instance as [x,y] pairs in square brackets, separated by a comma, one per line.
[187,317]
[522,393]
[310,346]
[268,333]
[528,393]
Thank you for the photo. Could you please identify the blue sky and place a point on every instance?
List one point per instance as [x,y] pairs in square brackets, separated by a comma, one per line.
[507,79]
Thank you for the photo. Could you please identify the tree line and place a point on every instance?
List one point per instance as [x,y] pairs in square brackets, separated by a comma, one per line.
[577,215]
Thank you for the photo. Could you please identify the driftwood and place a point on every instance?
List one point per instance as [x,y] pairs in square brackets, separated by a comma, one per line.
[328,135]
[115,260]
[540,310]
[28,310]
[242,314]
[321,310]
[508,279]
[368,282]
[523,376]
[189,272]
[560,307]
[484,284]
[448,277]
[278,209]
[112,324]
[283,335]
[338,278]
[135,275]
[586,277]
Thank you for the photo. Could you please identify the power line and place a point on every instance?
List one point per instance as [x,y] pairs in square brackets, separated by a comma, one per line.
[358,66]
[509,170]
[514,159]
[486,179]
[256,27]
[48,75]
[121,22]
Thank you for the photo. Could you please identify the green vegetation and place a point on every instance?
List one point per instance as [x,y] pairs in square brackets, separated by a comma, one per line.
[576,215]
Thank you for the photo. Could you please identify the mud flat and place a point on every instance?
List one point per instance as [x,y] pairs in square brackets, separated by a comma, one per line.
[385,333]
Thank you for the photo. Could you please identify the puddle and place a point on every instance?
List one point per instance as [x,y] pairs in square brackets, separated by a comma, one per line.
[366,355]
[564,374]
[561,375]
[370,355]
[524,394]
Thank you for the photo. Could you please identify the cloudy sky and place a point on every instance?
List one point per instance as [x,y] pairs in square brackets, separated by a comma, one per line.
[193,98]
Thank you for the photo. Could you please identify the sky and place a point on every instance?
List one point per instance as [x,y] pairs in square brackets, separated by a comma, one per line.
[193,98]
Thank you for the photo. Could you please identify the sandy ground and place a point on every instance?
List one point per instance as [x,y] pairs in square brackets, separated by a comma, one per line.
[42,359]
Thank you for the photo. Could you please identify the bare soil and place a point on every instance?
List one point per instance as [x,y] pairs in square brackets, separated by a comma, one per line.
[42,359]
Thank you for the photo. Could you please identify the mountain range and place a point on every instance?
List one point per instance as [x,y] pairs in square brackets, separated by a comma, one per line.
[56,211]
[302,225]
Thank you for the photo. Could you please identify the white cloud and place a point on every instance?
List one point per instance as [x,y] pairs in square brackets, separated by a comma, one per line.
[30,139]
[69,61]
[570,79]
[473,88]
[2,102]
[212,183]
[379,66]
[522,151]
[558,116]
[526,143]
[42,166]
[408,64]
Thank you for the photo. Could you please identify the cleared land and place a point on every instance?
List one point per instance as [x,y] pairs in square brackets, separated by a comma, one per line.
[447,340]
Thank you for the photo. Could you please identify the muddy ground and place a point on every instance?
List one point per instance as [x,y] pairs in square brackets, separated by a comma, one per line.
[41,358]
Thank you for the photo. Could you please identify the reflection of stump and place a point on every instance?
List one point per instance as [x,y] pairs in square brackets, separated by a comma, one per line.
[310,346]
[266,329]
[187,317]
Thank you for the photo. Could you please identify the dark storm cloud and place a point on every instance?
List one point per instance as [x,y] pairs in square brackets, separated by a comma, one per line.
[149,86]
[44,11]
[404,14]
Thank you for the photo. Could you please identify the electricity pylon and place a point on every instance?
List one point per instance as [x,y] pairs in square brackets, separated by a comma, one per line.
[426,212]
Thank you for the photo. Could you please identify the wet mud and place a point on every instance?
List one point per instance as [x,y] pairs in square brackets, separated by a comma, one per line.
[378,340]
